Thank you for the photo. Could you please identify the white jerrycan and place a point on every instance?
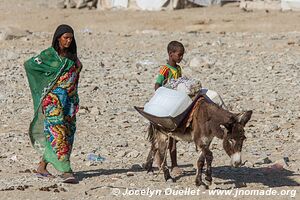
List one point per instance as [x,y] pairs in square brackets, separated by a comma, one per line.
[167,102]
[213,96]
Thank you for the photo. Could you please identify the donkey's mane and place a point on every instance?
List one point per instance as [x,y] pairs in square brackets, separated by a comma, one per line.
[213,112]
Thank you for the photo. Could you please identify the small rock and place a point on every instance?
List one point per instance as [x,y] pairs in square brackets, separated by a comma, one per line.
[129,174]
[133,154]
[285,133]
[286,159]
[83,111]
[136,167]
[14,158]
[123,144]
[267,161]
[272,128]
[151,32]
[10,188]
[56,190]
[95,111]
[44,189]
[270,67]
[90,163]
[131,184]
[121,154]
[248,164]
[275,115]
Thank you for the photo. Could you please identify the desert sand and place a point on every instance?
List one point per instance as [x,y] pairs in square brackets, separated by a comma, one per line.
[252,59]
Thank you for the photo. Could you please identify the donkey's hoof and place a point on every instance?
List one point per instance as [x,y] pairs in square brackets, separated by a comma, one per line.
[208,180]
[149,170]
[204,187]
[171,180]
[201,184]
[147,167]
[198,182]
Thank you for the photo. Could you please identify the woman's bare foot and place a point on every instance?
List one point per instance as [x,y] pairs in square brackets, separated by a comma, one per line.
[69,177]
[42,170]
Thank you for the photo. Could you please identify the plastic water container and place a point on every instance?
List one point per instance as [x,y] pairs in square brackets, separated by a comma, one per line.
[167,102]
[213,96]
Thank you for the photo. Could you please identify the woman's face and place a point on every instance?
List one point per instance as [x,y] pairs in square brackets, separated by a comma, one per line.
[65,40]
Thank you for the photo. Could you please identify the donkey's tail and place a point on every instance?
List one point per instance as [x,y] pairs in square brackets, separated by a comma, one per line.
[151,133]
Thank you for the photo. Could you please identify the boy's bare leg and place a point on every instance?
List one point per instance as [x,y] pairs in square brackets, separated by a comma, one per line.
[173,154]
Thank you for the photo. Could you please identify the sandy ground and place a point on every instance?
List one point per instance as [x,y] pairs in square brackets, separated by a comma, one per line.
[251,58]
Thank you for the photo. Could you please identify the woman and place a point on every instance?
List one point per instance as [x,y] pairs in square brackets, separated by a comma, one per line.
[53,79]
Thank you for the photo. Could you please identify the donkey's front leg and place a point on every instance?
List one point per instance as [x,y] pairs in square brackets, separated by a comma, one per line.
[200,164]
[208,157]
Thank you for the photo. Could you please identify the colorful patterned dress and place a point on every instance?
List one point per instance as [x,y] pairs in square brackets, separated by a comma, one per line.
[53,83]
[60,107]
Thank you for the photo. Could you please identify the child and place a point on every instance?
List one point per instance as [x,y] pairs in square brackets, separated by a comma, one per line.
[171,69]
[167,72]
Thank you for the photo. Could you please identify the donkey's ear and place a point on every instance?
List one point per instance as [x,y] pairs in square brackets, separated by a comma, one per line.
[245,117]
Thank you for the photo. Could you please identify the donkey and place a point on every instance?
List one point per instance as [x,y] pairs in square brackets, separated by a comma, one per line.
[208,120]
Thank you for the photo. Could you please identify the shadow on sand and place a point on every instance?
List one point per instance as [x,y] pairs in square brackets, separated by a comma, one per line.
[266,176]
[240,177]
[98,172]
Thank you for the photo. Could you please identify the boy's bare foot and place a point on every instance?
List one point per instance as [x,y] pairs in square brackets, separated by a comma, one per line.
[177,171]
[69,178]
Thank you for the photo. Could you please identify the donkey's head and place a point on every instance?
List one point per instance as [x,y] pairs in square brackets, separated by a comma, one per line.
[234,137]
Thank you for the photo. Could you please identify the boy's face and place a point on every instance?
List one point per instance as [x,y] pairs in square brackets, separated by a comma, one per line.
[177,55]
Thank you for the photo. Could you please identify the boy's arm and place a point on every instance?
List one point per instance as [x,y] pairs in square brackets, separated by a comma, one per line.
[156,86]
[159,81]
[161,77]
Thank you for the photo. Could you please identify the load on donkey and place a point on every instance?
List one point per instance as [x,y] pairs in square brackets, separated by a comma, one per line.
[199,122]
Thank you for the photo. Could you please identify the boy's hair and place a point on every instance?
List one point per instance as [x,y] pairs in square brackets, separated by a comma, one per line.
[174,46]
